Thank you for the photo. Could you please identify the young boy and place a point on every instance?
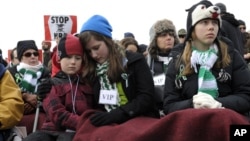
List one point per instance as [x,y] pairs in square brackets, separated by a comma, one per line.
[69,96]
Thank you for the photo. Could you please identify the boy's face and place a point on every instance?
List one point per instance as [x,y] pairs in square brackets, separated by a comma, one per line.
[72,64]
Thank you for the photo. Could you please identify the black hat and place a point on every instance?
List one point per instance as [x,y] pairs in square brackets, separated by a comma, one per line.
[128,34]
[202,10]
[24,45]
[142,48]
[241,22]
[222,7]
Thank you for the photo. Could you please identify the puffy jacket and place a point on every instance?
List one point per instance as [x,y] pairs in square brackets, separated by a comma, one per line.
[11,102]
[234,91]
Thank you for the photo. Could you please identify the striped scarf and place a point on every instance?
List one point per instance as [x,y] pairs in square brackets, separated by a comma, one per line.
[101,71]
[165,60]
[29,77]
[206,59]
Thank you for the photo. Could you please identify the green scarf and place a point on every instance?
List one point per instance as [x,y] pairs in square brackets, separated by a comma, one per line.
[101,71]
[206,59]
[28,77]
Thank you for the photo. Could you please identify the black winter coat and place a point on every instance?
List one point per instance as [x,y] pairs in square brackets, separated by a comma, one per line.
[230,30]
[139,88]
[234,92]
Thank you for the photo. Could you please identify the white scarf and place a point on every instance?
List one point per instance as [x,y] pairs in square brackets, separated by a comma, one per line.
[206,59]
[30,75]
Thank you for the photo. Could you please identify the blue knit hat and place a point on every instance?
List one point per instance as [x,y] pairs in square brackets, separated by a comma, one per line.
[99,24]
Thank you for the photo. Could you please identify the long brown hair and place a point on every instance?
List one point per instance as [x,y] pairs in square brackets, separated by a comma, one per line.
[115,57]
[223,60]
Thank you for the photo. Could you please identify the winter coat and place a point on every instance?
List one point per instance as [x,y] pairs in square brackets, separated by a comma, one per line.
[234,91]
[138,88]
[11,102]
[230,30]
[58,104]
[156,66]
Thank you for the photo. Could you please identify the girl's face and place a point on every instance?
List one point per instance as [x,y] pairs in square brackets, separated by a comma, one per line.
[30,57]
[71,64]
[98,50]
[165,41]
[206,31]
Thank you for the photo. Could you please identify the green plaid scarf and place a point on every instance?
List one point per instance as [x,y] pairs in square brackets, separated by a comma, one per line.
[101,71]
[29,76]
[206,59]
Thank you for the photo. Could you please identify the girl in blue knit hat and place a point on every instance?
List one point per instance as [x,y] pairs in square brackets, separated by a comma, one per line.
[121,80]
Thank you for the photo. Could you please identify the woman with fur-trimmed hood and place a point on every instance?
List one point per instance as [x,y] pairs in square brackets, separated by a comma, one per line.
[163,38]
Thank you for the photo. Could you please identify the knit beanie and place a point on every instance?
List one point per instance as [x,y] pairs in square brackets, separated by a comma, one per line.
[99,24]
[24,45]
[200,11]
[222,7]
[128,34]
[160,26]
[69,45]
[241,22]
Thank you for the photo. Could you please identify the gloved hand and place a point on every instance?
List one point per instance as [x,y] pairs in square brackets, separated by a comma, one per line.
[30,98]
[28,108]
[106,118]
[44,88]
[205,101]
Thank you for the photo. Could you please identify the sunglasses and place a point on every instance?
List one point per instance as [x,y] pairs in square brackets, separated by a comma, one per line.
[182,36]
[28,54]
[243,28]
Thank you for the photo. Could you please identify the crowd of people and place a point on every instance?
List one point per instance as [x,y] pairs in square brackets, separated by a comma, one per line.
[92,87]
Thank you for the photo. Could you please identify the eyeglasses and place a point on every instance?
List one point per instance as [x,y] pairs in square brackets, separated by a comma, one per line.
[28,54]
[182,36]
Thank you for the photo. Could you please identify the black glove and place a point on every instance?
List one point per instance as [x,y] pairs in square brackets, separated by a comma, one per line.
[106,118]
[44,88]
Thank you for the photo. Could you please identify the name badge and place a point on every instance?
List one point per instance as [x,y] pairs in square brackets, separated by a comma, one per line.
[108,97]
[159,80]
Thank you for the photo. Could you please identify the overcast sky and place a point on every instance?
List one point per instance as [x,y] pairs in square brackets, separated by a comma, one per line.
[23,19]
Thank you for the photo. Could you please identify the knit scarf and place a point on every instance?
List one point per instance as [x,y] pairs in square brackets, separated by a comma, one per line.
[29,76]
[165,60]
[206,59]
[101,71]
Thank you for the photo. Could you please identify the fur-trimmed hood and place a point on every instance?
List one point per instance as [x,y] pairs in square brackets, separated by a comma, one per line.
[162,26]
